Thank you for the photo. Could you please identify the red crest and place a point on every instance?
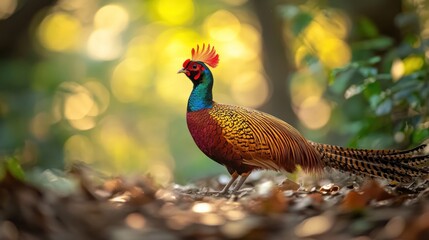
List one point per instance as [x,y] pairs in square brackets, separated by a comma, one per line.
[206,55]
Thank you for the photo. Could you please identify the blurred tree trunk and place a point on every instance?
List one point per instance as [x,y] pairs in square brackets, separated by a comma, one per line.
[276,60]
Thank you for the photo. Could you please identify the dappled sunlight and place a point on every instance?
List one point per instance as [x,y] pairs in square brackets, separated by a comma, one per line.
[141,62]
[325,38]
[106,80]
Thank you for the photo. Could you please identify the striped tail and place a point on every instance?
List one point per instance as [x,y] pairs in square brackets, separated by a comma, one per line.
[397,165]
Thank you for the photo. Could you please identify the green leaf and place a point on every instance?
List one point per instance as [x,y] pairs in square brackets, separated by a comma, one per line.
[373,88]
[14,167]
[300,22]
[380,43]
[368,71]
[368,28]
[374,101]
[341,80]
[420,135]
[384,107]
[374,60]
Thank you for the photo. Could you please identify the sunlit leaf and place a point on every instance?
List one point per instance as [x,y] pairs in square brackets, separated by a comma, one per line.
[13,166]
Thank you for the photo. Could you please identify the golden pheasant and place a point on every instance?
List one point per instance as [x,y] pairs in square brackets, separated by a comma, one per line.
[244,139]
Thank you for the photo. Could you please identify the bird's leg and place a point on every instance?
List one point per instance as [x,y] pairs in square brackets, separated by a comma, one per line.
[234,177]
[243,178]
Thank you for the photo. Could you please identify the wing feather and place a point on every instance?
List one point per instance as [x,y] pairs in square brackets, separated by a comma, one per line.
[265,141]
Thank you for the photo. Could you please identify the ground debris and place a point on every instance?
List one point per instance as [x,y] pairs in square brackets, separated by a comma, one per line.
[269,207]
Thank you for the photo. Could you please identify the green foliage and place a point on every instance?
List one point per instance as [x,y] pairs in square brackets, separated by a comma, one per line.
[298,18]
[11,165]
[380,98]
[394,106]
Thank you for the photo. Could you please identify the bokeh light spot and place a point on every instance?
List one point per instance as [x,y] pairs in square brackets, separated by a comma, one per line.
[7,8]
[129,80]
[113,17]
[104,44]
[59,32]
[222,25]
[78,102]
[250,89]
[175,12]
[101,97]
[135,220]
[314,112]
[334,45]
[83,124]
[397,69]
[202,207]
[412,63]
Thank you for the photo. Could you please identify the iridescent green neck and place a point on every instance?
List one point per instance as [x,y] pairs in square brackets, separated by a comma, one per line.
[201,95]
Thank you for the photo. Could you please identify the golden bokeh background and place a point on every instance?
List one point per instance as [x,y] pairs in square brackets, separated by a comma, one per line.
[117,96]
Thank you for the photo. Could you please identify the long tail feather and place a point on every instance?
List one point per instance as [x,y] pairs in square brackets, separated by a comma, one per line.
[410,152]
[408,157]
[401,166]
[378,164]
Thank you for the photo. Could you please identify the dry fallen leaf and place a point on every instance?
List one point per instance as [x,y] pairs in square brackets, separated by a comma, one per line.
[355,201]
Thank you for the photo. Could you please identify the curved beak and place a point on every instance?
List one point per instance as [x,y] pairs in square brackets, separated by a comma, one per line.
[182,70]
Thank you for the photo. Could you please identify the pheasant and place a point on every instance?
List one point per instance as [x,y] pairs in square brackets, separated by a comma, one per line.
[244,140]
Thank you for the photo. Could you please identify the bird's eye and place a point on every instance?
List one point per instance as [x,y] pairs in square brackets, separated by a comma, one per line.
[194,66]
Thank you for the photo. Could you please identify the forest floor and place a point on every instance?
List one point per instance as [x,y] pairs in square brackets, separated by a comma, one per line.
[268,207]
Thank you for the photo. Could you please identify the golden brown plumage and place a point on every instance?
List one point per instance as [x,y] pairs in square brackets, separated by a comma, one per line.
[244,140]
